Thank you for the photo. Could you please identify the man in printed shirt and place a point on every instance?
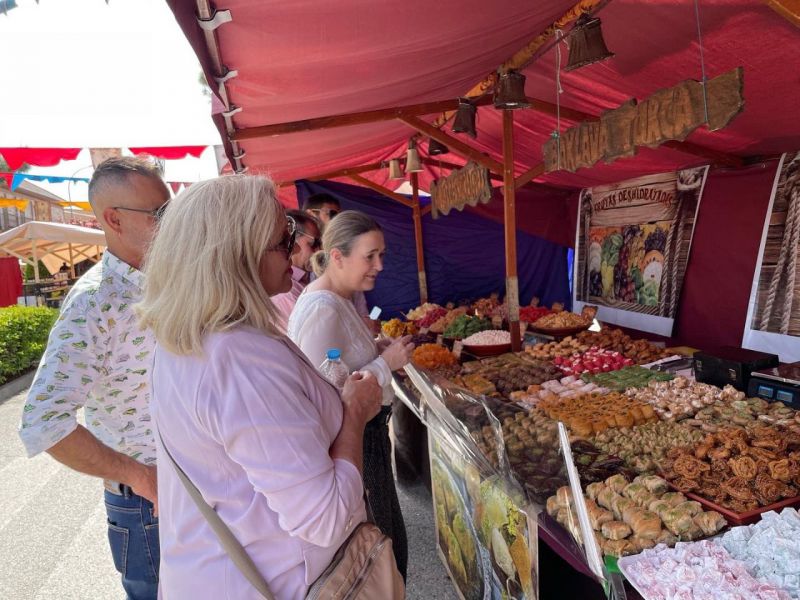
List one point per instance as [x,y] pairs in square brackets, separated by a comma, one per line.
[308,240]
[98,358]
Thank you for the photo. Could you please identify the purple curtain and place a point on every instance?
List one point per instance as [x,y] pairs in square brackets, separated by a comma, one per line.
[464,254]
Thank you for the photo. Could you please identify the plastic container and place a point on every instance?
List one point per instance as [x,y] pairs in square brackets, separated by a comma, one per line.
[334,369]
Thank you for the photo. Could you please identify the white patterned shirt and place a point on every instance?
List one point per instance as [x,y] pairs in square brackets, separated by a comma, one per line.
[97,358]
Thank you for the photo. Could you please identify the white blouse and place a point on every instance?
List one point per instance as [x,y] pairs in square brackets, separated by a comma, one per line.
[322,320]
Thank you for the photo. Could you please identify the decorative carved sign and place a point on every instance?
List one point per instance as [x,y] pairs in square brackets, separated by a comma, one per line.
[468,185]
[669,114]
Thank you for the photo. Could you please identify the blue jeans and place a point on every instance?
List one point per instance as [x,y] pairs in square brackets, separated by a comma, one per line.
[133,536]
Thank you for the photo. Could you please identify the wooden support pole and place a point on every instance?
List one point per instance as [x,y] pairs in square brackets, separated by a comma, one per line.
[382,190]
[35,261]
[425,210]
[71,262]
[423,282]
[510,223]
[455,144]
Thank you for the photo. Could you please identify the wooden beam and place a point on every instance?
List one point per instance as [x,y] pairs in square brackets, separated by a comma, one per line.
[529,176]
[359,118]
[454,144]
[788,9]
[452,167]
[345,172]
[423,281]
[382,190]
[425,210]
[510,224]
[527,54]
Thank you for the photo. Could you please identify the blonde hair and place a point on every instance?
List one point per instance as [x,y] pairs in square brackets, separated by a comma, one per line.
[340,234]
[202,270]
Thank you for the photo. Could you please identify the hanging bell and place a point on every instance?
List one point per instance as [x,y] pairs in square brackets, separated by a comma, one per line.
[510,91]
[436,148]
[586,44]
[395,172]
[465,118]
[413,164]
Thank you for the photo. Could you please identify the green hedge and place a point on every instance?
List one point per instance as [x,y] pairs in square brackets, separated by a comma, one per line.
[23,337]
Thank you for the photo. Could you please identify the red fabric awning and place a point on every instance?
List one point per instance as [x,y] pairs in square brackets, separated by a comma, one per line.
[170,152]
[37,157]
[326,59]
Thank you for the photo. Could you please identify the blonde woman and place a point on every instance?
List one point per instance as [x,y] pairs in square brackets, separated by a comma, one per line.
[269,443]
[324,317]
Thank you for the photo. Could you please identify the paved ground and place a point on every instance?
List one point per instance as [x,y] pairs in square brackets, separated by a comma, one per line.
[53,541]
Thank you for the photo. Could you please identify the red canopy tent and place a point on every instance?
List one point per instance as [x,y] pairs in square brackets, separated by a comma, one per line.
[318,90]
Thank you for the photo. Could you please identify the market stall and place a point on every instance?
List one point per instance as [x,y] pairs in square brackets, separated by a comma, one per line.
[668,175]
[619,468]
[55,244]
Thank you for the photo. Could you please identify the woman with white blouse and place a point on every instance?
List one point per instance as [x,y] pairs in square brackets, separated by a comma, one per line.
[324,317]
[271,445]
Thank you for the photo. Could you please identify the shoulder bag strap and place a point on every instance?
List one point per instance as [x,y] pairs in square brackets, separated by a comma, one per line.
[229,542]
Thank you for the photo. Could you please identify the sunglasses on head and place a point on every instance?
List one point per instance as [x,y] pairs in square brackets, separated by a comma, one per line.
[289,239]
[331,212]
[316,243]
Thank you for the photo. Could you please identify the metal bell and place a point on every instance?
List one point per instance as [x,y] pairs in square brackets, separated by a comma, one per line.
[465,118]
[413,164]
[395,172]
[586,44]
[436,148]
[510,92]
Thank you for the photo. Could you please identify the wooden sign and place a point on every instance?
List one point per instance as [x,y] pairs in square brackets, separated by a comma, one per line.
[669,114]
[468,185]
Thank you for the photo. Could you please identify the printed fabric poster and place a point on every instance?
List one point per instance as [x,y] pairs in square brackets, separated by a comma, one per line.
[773,319]
[632,247]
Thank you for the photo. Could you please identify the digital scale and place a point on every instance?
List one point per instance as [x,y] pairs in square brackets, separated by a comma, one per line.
[780,383]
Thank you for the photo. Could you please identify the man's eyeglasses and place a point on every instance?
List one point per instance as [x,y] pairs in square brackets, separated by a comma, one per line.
[316,243]
[156,213]
[331,212]
[289,238]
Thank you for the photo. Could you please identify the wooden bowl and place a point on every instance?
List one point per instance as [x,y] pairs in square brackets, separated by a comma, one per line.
[483,351]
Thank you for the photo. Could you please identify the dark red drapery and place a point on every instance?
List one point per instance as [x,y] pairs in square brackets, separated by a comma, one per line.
[10,281]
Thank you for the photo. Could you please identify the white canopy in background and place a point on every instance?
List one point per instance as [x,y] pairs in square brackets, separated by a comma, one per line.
[52,243]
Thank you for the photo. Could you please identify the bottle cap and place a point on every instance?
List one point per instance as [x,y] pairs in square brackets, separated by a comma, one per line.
[334,354]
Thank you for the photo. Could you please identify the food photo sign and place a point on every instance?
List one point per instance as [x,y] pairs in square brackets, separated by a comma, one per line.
[773,317]
[632,247]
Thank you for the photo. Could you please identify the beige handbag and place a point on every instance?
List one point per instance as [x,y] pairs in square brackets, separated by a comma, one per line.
[363,568]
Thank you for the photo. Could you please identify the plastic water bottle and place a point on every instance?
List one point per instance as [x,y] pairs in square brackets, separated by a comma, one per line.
[334,369]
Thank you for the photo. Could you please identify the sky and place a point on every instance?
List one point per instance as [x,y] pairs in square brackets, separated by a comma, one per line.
[83,73]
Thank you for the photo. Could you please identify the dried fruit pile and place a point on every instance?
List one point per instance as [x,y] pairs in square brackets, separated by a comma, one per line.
[592,361]
[640,351]
[432,356]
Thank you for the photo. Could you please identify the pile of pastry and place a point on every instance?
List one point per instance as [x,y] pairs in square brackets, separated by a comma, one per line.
[630,517]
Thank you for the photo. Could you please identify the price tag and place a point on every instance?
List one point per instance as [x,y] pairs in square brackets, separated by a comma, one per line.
[375,314]
[457,348]
[440,339]
[424,331]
